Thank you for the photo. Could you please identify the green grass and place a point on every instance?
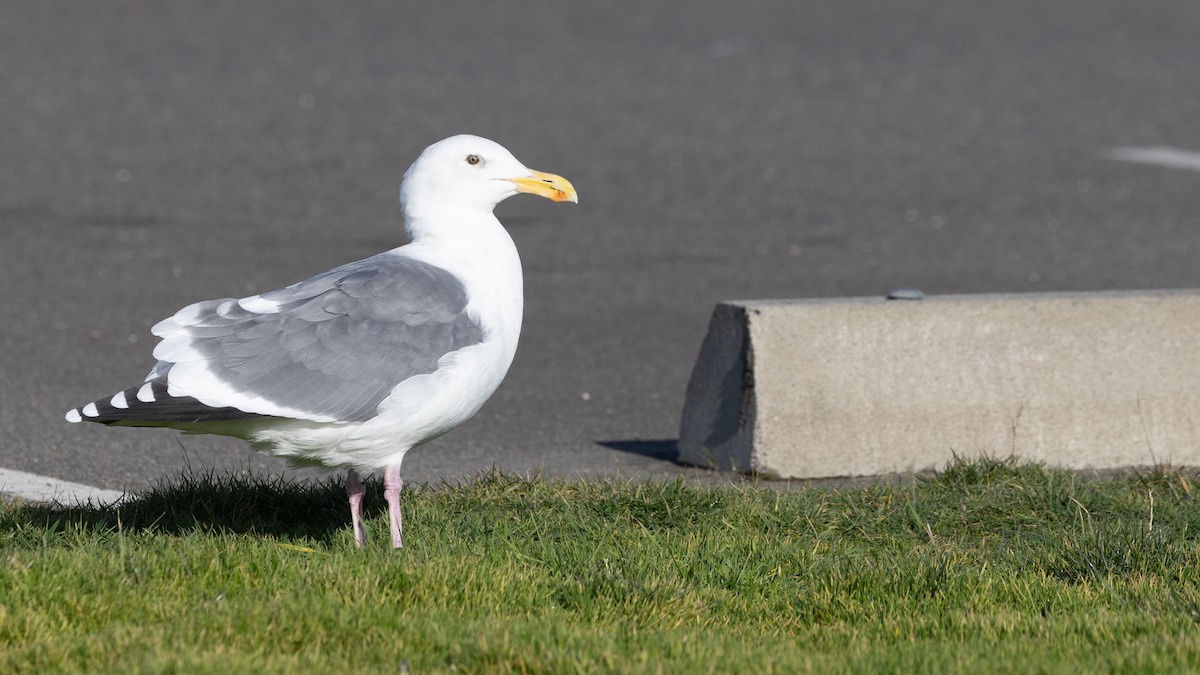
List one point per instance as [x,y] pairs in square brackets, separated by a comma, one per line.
[989,566]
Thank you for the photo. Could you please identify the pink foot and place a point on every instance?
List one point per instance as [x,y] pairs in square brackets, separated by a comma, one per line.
[392,485]
[355,490]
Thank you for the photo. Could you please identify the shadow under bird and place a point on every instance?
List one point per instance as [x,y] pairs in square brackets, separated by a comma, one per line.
[354,367]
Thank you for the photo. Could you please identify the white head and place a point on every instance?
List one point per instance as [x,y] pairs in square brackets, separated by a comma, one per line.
[474,174]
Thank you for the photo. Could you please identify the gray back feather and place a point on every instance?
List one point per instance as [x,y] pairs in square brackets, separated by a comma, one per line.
[342,340]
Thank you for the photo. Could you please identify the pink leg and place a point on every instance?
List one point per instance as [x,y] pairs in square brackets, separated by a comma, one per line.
[392,485]
[355,490]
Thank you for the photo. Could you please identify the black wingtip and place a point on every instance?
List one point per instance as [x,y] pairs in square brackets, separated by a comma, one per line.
[153,407]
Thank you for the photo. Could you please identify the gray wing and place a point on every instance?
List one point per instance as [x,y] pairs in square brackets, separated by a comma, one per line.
[335,345]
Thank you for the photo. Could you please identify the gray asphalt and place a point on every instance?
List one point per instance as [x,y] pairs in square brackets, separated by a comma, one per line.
[157,154]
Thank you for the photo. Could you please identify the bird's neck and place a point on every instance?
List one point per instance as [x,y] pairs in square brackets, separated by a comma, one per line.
[452,227]
[476,248]
[463,239]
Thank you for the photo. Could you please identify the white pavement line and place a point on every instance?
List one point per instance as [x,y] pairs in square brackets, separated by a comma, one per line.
[1161,156]
[37,488]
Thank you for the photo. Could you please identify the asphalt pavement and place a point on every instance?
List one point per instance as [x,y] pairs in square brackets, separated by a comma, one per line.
[157,154]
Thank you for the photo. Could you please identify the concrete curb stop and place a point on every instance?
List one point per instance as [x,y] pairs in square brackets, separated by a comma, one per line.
[867,386]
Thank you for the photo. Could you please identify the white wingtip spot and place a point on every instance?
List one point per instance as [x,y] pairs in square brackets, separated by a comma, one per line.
[146,393]
[73,416]
[89,410]
[119,401]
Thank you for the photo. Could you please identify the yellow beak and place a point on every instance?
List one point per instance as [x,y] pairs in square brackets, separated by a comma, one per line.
[547,185]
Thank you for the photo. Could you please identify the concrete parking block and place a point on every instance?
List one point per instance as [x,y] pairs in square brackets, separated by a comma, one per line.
[866,386]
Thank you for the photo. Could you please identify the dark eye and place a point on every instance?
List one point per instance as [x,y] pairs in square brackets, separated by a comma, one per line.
[474,159]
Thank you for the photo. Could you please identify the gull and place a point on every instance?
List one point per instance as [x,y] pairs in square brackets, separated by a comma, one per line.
[356,366]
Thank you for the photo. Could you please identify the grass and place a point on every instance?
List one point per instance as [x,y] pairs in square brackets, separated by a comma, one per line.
[989,566]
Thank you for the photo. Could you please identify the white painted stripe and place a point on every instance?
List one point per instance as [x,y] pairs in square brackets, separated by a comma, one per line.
[37,488]
[1160,156]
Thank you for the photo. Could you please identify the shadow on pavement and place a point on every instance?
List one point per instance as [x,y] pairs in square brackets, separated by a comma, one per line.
[666,449]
